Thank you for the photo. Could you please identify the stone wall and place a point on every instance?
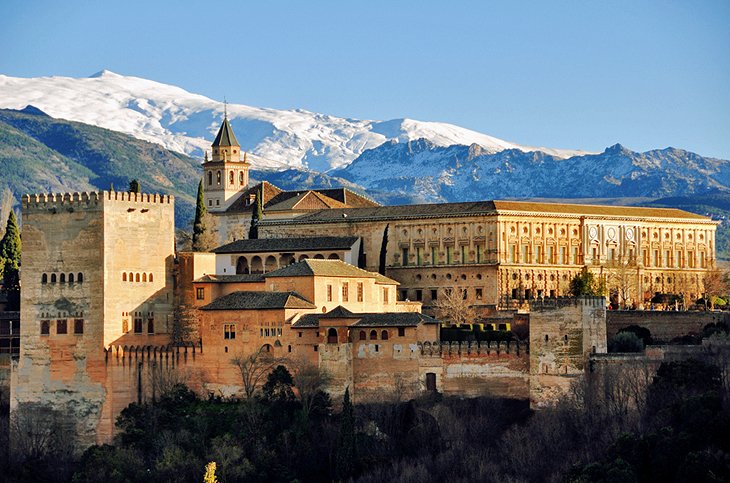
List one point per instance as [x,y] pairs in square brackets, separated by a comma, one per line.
[664,325]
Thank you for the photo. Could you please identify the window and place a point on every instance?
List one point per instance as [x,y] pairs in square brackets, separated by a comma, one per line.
[53,278]
[478,293]
[316,348]
[124,276]
[210,178]
[419,295]
[44,278]
[434,294]
[332,336]
[144,277]
[401,331]
[218,177]
[150,326]
[575,255]
[210,202]
[449,255]
[150,277]
[384,335]
[70,278]
[329,293]
[63,278]
[463,254]
[362,335]
[45,327]
[231,177]
[136,277]
[419,256]
[538,254]
[359,291]
[512,253]
[373,335]
[78,326]
[434,255]
[385,295]
[551,255]
[125,326]
[199,293]
[229,331]
[137,326]
[667,258]
[240,181]
[525,254]
[345,289]
[61,327]
[479,253]
[678,259]
[217,202]
[404,257]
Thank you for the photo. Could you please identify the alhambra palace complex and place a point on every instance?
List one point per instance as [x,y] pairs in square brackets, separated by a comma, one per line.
[333,279]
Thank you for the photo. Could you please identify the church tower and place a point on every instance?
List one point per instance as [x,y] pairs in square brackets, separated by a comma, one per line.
[225,175]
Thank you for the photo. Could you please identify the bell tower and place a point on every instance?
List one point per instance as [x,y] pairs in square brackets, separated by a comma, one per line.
[225,176]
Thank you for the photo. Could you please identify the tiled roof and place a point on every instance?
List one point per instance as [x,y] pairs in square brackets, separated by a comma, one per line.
[388,319]
[288,244]
[253,277]
[225,136]
[327,268]
[305,200]
[349,197]
[269,192]
[606,210]
[260,300]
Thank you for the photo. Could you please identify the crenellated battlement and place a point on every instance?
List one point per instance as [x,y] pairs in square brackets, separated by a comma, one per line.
[124,354]
[89,199]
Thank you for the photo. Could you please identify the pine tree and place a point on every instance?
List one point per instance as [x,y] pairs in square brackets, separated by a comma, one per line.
[346,451]
[257,214]
[10,257]
[134,186]
[199,223]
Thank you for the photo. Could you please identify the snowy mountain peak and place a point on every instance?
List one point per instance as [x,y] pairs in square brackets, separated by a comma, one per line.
[186,122]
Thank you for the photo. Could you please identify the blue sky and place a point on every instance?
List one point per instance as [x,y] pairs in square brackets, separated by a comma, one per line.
[565,74]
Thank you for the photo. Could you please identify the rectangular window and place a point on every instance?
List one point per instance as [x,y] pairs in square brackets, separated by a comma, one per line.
[419,295]
[360,291]
[612,254]
[703,261]
[405,257]
[200,293]
[655,259]
[125,326]
[538,254]
[678,260]
[434,255]
[575,256]
[45,327]
[479,253]
[229,331]
[385,295]
[434,294]
[78,326]
[564,255]
[345,292]
[401,331]
[137,326]
[150,326]
[667,258]
[463,254]
[329,293]
[419,256]
[512,253]
[478,293]
[449,255]
[403,294]
[551,255]
[691,259]
[525,254]
[61,327]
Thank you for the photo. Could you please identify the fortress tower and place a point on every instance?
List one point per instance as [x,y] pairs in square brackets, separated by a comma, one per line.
[225,175]
[97,271]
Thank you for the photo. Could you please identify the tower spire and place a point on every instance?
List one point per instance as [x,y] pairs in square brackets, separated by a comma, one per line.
[225,108]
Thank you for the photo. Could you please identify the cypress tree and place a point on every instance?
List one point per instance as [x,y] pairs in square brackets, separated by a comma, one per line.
[383,251]
[134,186]
[199,223]
[257,214]
[346,451]
[10,255]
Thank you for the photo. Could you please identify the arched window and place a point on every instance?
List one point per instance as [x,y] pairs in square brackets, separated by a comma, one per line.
[240,178]
[70,278]
[144,277]
[63,278]
[331,336]
[373,335]
[53,278]
[124,276]
[131,277]
[136,278]
[230,178]
[362,335]
[384,335]
[44,278]
[210,178]
[218,177]
[151,280]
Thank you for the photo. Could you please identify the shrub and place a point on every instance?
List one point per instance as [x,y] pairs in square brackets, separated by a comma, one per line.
[625,342]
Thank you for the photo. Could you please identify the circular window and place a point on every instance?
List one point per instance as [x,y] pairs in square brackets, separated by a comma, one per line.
[512,229]
[418,277]
[464,230]
[479,276]
[702,237]
[527,276]
[552,278]
[433,276]
[575,232]
[539,278]
[449,231]
[514,276]
[448,276]
[669,280]
[550,231]
[405,232]
[657,280]
[565,277]
[562,231]
[537,230]
[463,277]
[524,230]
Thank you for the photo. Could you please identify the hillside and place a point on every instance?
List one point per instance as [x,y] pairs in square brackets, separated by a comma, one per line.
[43,154]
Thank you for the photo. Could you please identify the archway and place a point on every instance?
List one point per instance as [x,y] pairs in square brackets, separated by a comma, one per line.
[333,256]
[331,336]
[319,256]
[271,263]
[303,257]
[242,266]
[257,266]
[286,260]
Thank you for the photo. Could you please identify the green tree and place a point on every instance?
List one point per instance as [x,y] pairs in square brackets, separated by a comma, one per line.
[625,342]
[199,223]
[10,257]
[134,186]
[585,284]
[257,214]
[346,450]
[278,386]
[384,252]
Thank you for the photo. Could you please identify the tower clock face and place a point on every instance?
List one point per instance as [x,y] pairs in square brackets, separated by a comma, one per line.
[593,232]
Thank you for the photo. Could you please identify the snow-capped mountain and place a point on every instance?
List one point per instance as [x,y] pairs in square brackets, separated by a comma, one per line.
[420,171]
[185,122]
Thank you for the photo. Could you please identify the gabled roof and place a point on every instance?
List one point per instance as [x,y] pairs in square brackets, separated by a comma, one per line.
[269,190]
[288,244]
[348,197]
[328,268]
[338,312]
[253,277]
[246,300]
[305,200]
[388,319]
[225,137]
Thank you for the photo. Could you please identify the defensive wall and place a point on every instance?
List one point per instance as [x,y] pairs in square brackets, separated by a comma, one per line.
[664,325]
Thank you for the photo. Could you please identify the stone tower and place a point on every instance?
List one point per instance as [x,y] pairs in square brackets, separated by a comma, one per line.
[225,175]
[97,271]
